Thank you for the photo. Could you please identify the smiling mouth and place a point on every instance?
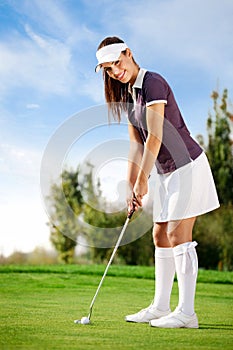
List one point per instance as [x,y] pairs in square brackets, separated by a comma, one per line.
[121,76]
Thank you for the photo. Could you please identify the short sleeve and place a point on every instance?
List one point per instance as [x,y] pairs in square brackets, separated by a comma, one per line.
[155,89]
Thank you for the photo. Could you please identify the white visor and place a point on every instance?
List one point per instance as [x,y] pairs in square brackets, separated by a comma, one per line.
[109,53]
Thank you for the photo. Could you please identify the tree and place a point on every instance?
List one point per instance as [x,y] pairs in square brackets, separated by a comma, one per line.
[77,198]
[141,250]
[214,231]
[219,148]
[66,203]
[136,247]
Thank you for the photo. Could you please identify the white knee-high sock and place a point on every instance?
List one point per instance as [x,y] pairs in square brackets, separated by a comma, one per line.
[186,262]
[164,277]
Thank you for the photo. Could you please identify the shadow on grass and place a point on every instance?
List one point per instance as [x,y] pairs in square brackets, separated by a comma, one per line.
[226,327]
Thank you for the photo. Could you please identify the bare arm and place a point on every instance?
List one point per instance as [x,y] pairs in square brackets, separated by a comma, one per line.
[135,157]
[154,118]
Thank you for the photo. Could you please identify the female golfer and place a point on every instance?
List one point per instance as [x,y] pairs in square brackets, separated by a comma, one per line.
[185,186]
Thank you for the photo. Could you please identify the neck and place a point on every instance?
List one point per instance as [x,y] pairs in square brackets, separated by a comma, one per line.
[134,76]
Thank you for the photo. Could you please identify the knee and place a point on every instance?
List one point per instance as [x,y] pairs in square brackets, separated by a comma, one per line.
[159,235]
[173,238]
[157,238]
[179,232]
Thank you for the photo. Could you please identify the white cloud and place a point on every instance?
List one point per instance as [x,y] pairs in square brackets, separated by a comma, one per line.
[50,16]
[32,106]
[197,33]
[35,62]
[93,87]
[172,32]
[112,177]
[19,164]
[50,57]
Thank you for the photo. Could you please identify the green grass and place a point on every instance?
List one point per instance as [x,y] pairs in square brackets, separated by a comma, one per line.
[39,303]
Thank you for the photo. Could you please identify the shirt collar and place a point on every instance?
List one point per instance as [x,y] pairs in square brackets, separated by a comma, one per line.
[139,80]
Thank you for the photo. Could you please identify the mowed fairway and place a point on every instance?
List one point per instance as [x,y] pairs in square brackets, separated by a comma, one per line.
[38,306]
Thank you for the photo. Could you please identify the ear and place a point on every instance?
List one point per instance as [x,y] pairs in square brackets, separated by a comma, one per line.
[129,53]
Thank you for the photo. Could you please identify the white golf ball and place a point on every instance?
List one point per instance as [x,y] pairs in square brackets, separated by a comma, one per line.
[85,320]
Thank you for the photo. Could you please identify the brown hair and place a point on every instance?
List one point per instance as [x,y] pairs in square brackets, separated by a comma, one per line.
[116,93]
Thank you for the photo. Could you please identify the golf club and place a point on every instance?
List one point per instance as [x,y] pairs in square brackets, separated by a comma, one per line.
[87,320]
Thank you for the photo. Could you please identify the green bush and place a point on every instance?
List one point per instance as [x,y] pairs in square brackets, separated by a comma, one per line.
[214,234]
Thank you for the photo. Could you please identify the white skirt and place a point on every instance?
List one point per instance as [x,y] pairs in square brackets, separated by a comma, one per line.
[187,192]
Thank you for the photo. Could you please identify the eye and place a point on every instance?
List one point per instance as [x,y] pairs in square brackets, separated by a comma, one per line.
[117,63]
[107,69]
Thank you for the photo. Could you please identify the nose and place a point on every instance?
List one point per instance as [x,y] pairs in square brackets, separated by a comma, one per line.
[116,71]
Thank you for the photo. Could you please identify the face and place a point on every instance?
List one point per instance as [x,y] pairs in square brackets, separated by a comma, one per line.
[124,69]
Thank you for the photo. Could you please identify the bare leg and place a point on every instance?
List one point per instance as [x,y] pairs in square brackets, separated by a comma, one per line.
[179,232]
[164,267]
[180,238]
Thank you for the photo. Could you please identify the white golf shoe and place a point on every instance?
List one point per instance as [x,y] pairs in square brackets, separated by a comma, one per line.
[146,315]
[176,319]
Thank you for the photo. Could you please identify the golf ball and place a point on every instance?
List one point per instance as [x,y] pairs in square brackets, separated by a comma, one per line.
[85,320]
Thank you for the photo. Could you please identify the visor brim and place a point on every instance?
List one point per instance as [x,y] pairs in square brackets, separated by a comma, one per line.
[98,68]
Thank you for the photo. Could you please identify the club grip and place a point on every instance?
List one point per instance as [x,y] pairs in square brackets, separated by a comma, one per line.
[130,213]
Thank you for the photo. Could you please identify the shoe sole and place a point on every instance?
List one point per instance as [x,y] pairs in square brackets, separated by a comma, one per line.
[192,324]
[154,318]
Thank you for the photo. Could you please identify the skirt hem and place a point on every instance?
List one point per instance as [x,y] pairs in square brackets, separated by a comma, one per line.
[188,216]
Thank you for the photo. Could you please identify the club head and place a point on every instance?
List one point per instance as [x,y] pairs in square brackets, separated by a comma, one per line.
[84,320]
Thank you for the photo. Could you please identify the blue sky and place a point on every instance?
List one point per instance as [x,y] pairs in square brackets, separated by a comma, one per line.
[47,60]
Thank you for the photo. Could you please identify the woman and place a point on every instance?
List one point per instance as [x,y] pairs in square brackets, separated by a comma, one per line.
[185,186]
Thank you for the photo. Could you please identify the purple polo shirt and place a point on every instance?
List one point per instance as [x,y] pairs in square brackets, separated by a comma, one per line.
[178,147]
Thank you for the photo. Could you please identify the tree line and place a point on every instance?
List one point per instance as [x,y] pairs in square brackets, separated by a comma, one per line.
[213,231]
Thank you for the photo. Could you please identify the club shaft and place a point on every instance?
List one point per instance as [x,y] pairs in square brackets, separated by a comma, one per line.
[109,263]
